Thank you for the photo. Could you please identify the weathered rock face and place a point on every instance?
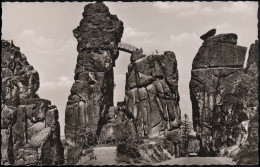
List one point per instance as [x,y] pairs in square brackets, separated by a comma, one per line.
[152,98]
[220,51]
[252,62]
[92,93]
[117,121]
[29,125]
[248,153]
[151,105]
[217,93]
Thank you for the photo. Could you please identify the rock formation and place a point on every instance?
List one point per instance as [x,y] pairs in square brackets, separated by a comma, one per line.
[29,125]
[152,98]
[209,34]
[217,93]
[248,153]
[118,122]
[151,105]
[92,93]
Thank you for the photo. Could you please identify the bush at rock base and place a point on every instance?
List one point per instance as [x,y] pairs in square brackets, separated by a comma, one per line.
[108,141]
[166,144]
[247,156]
[91,140]
[128,149]
[173,136]
[74,154]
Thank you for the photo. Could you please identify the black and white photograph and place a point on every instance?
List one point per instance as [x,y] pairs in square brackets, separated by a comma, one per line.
[129,83]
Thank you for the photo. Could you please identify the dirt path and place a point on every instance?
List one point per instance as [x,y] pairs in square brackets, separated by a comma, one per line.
[198,161]
[105,155]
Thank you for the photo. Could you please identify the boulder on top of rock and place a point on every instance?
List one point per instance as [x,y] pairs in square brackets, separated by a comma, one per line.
[209,34]
[225,38]
[220,51]
[222,38]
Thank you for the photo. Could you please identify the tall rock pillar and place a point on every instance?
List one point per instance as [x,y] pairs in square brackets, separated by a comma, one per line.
[91,95]
[152,97]
[216,92]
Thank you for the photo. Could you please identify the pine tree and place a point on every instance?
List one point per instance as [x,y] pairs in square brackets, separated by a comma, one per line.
[186,130]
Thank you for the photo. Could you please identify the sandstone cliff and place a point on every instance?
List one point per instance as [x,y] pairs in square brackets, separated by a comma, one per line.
[29,125]
[91,95]
[217,93]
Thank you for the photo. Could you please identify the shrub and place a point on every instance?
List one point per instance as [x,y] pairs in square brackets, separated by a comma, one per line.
[138,140]
[74,153]
[123,133]
[182,153]
[127,142]
[204,152]
[90,140]
[166,144]
[123,159]
[173,136]
[226,153]
[159,153]
[194,146]
[158,147]
[128,149]
[150,146]
[109,140]
[247,155]
[156,153]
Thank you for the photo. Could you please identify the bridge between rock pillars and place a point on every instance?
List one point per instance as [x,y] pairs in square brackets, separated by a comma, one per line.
[127,47]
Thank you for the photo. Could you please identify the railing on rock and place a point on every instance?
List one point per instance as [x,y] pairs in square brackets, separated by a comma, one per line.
[153,53]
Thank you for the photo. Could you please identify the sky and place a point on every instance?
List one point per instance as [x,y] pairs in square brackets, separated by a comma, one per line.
[43,31]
